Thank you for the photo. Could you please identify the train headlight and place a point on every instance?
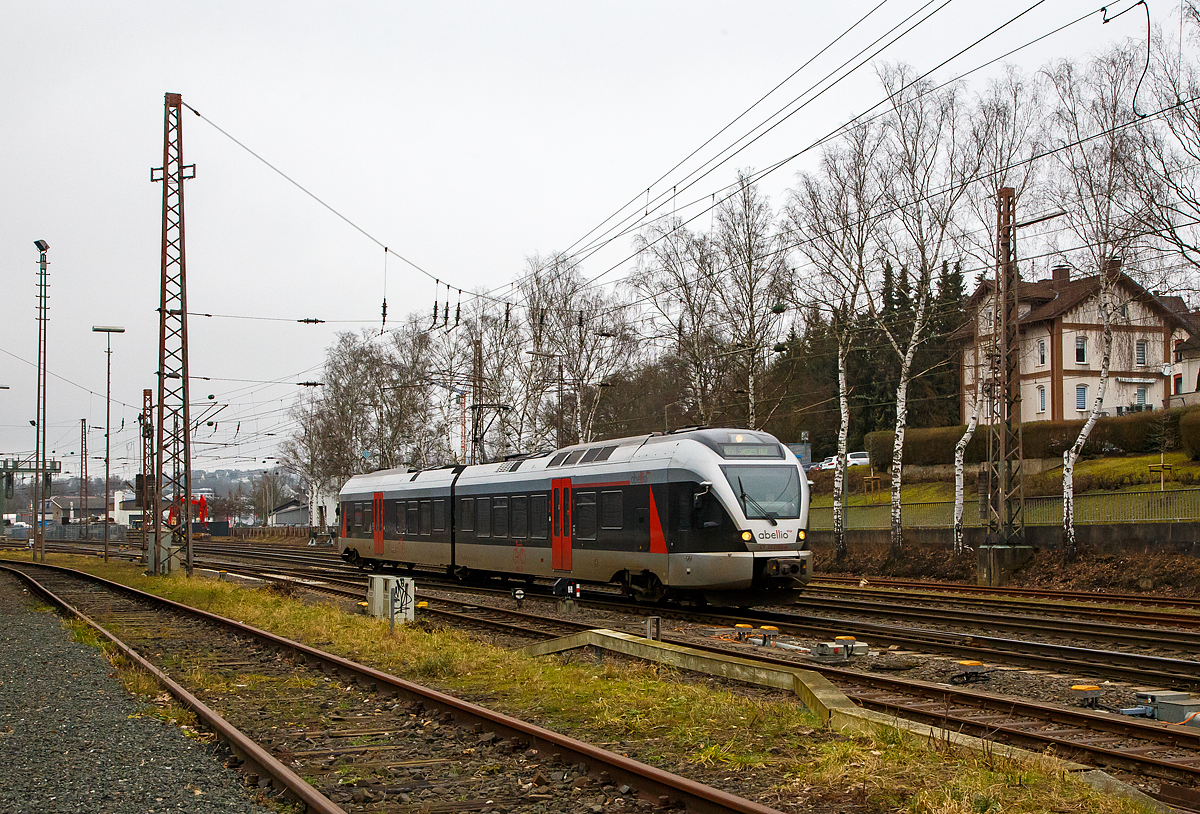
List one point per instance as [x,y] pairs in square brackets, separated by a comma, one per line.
[800,534]
[747,536]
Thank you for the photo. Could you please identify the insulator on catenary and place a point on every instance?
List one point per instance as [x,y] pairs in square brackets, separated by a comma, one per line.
[506,307]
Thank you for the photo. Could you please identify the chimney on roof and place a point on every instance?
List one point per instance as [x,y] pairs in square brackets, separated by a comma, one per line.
[1112,267]
[1059,275]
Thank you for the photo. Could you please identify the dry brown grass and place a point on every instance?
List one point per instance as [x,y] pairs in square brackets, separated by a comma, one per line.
[777,741]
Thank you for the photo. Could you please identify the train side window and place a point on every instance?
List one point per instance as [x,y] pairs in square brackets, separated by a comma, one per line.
[358,516]
[520,517]
[483,517]
[426,517]
[573,457]
[500,517]
[412,512]
[539,517]
[585,515]
[612,511]
[368,517]
[590,455]
[466,514]
[400,518]
[684,507]
[558,459]
[391,526]
[439,515]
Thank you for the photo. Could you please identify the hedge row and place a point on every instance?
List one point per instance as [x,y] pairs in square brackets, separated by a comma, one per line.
[1189,434]
[1130,434]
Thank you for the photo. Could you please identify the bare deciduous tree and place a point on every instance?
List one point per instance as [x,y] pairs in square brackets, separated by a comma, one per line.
[836,216]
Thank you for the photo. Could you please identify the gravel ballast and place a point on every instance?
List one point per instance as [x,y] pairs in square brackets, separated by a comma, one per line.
[72,739]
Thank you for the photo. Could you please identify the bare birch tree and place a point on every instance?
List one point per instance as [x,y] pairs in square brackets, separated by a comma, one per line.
[1007,130]
[754,278]
[1092,117]
[835,216]
[931,163]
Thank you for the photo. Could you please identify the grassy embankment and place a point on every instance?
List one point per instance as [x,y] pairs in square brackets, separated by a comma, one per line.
[658,715]
[1129,473]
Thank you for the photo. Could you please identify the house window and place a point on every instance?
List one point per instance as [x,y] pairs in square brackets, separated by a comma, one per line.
[1141,397]
[1139,353]
[1178,389]
[1081,350]
[1081,397]
[1041,351]
[1041,399]
[1178,350]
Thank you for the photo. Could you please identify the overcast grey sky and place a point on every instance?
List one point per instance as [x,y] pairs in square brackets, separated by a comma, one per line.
[465,135]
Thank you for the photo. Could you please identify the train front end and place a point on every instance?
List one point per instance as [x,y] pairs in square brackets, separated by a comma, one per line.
[750,508]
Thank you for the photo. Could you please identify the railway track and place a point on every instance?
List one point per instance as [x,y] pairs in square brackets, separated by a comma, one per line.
[329,718]
[1041,593]
[1147,748]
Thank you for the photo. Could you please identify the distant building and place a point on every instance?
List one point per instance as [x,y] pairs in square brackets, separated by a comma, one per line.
[1061,343]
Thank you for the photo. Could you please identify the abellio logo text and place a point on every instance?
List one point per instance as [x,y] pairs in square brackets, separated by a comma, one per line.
[774,534]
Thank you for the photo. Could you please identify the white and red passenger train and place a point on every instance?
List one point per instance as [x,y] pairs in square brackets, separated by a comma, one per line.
[703,515]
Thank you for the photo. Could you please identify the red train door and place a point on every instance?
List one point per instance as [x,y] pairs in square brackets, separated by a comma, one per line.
[560,525]
[377,521]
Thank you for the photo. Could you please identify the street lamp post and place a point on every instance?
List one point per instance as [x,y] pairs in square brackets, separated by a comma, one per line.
[108,331]
[39,445]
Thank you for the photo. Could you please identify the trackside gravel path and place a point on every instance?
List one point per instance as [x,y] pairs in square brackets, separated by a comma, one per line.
[71,740]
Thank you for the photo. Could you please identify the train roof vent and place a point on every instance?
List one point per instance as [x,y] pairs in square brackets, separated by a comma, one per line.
[605,453]
[573,457]
[590,455]
[509,466]
[558,459]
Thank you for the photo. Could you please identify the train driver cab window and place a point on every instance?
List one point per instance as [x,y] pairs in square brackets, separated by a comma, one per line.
[412,513]
[483,517]
[426,517]
[500,517]
[358,515]
[466,514]
[439,515]
[612,510]
[539,517]
[585,515]
[520,517]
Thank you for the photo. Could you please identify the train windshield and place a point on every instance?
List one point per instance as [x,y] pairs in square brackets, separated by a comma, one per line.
[766,492]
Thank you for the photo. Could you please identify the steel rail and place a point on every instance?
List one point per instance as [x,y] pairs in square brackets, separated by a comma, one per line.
[1103,631]
[1074,596]
[650,781]
[248,750]
[1138,616]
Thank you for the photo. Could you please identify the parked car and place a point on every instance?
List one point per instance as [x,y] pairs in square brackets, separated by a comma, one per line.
[828,463]
[858,459]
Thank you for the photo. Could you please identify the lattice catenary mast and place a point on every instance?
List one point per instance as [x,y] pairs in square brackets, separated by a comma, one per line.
[173,463]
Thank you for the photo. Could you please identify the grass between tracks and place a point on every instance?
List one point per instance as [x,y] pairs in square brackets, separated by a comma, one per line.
[648,711]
